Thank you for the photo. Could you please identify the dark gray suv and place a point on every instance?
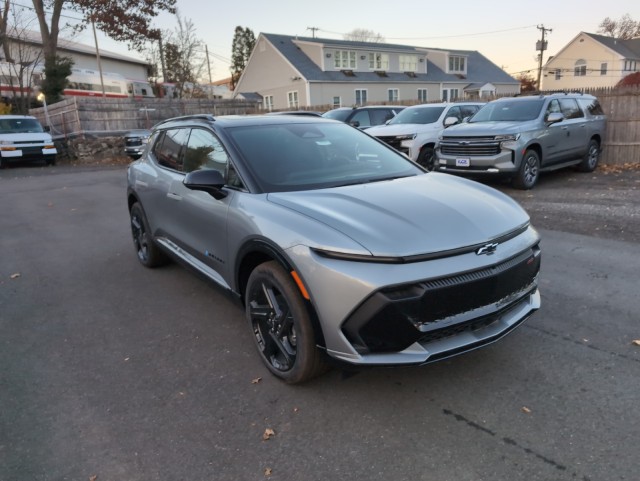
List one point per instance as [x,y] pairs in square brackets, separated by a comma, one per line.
[523,136]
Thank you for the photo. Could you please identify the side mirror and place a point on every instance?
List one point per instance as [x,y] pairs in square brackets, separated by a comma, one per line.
[555,117]
[449,121]
[210,181]
[355,123]
[46,128]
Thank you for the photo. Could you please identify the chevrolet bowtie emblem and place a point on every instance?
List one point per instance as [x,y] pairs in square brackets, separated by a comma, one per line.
[487,249]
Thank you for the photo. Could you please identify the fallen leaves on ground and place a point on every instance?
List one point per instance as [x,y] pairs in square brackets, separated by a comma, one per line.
[267,471]
[93,478]
[636,342]
[256,380]
[268,434]
[525,410]
[14,276]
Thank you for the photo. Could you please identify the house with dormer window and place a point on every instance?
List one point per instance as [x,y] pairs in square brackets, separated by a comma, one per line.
[591,61]
[295,72]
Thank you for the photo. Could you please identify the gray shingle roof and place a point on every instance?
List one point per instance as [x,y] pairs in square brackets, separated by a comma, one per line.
[627,48]
[479,68]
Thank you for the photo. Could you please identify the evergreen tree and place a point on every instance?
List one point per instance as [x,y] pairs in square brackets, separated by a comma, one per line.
[243,42]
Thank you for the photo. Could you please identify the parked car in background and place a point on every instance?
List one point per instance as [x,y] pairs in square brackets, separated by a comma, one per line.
[416,129]
[337,245]
[310,113]
[523,136]
[22,137]
[135,142]
[364,117]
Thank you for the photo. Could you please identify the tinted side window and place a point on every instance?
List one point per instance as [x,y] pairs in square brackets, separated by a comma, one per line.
[362,117]
[570,109]
[204,151]
[380,116]
[169,148]
[469,110]
[592,106]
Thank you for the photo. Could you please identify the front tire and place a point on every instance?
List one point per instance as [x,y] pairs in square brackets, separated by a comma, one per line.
[427,158]
[281,325]
[149,254]
[590,161]
[529,171]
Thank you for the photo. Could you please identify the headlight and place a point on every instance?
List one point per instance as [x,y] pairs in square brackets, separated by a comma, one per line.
[406,137]
[144,140]
[507,137]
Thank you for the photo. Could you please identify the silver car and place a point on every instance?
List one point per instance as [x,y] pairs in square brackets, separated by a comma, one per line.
[338,247]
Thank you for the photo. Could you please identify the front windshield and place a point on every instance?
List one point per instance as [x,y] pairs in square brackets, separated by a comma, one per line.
[19,126]
[338,114]
[306,156]
[419,115]
[509,111]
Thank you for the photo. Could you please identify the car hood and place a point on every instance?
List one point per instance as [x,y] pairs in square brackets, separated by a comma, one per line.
[416,215]
[489,128]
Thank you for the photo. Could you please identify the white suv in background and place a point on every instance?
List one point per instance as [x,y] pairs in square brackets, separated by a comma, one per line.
[416,129]
[23,138]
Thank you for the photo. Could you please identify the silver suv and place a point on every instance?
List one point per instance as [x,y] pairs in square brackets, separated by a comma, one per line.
[523,136]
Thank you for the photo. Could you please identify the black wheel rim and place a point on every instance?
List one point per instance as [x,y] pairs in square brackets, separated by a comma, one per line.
[139,237]
[530,173]
[273,326]
[593,156]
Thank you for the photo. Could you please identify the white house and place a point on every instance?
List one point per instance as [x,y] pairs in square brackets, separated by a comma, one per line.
[294,72]
[591,60]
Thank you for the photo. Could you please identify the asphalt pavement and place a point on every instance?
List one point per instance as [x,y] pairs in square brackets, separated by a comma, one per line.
[112,372]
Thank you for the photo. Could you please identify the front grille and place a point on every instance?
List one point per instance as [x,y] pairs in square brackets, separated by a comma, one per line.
[395,318]
[392,140]
[470,149]
[133,141]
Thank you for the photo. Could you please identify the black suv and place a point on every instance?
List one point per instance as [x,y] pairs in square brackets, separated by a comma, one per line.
[364,117]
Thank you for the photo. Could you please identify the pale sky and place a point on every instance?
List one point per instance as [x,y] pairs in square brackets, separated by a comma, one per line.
[503,31]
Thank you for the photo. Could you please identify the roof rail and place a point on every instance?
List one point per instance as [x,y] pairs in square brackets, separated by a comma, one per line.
[207,117]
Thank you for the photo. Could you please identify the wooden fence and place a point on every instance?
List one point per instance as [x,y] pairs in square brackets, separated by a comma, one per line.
[79,116]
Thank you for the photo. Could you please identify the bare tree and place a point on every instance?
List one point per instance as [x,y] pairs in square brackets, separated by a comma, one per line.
[184,57]
[363,35]
[625,29]
[20,71]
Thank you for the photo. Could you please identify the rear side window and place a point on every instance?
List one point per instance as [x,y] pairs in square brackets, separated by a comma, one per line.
[592,106]
[380,116]
[362,117]
[570,109]
[169,148]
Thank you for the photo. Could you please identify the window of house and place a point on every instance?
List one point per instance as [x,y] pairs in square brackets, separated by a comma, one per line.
[603,69]
[268,102]
[422,95]
[408,63]
[580,68]
[558,74]
[393,95]
[378,61]
[344,59]
[361,96]
[449,95]
[630,65]
[292,99]
[456,64]
[337,102]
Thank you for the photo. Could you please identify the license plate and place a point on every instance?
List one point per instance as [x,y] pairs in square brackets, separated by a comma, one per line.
[463,162]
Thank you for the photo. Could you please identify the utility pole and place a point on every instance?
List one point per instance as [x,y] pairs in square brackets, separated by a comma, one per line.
[541,46]
[206,51]
[160,47]
[95,38]
[313,31]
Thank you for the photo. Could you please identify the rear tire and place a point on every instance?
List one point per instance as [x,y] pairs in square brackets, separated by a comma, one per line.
[50,160]
[149,254]
[281,325]
[591,158]
[529,171]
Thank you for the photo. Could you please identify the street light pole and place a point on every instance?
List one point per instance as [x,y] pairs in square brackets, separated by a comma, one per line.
[95,38]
